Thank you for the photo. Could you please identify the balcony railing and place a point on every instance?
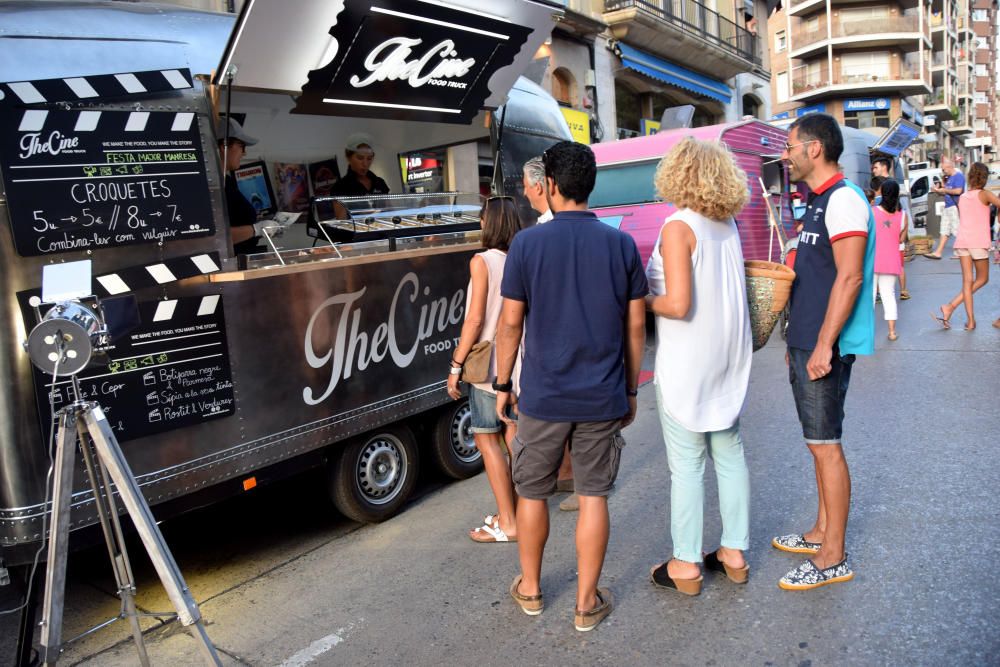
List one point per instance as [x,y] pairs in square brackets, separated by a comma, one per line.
[804,81]
[896,24]
[876,26]
[938,60]
[937,97]
[698,19]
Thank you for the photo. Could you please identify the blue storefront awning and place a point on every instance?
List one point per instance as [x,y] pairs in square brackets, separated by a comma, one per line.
[675,75]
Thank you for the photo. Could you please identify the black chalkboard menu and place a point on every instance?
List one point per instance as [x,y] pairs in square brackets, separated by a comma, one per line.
[79,180]
[169,372]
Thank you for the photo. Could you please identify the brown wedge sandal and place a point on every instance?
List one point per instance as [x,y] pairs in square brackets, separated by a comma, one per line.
[735,575]
[660,577]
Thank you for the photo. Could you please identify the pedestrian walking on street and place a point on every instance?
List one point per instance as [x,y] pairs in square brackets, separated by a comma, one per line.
[831,319]
[882,167]
[952,189]
[499,223]
[972,244]
[534,192]
[576,288]
[703,349]
[888,261]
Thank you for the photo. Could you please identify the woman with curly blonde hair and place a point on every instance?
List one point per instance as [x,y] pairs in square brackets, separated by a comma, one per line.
[703,349]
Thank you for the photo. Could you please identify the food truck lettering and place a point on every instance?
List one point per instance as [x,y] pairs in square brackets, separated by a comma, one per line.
[32,144]
[352,349]
[396,67]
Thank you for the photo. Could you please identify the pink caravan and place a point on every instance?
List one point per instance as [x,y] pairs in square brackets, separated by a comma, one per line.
[626,199]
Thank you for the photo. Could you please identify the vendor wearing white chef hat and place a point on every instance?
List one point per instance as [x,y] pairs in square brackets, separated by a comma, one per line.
[359,180]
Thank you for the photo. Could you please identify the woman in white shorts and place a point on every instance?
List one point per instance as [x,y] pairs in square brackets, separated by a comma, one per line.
[972,244]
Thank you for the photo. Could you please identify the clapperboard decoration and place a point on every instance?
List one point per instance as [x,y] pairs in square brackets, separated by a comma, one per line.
[80,180]
[92,88]
[170,370]
[137,278]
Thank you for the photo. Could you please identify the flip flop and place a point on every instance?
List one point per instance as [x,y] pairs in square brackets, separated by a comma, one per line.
[931,256]
[940,320]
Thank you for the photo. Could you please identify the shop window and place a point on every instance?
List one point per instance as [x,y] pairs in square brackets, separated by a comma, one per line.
[628,108]
[863,119]
[703,118]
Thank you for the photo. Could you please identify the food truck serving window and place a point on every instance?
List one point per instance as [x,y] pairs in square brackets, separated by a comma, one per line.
[437,60]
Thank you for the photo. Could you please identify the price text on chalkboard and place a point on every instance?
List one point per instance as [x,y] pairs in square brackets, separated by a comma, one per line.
[79,180]
[170,372]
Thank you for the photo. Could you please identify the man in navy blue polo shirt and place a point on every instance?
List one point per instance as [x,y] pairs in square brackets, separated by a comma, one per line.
[831,319]
[576,288]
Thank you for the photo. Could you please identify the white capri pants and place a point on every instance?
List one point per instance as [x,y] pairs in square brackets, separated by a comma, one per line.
[885,286]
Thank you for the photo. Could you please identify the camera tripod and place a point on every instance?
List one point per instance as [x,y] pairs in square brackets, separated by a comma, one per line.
[82,423]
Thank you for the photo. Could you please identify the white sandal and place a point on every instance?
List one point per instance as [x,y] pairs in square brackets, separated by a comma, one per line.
[490,531]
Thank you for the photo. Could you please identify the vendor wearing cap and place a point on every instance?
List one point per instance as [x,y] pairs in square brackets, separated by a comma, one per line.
[359,180]
[246,230]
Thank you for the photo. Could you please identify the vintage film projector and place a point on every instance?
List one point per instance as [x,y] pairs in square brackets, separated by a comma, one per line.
[61,345]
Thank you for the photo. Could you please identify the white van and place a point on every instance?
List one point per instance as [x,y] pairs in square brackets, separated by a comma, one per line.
[920,185]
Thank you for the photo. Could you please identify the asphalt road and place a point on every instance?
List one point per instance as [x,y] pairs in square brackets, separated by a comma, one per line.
[282,580]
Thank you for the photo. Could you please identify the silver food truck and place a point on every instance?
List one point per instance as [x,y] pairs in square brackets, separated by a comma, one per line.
[330,346]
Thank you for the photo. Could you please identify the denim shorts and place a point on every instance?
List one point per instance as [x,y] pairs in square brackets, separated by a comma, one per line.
[820,403]
[484,411]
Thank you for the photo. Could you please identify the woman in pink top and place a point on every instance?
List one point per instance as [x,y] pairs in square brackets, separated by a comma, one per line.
[972,244]
[888,265]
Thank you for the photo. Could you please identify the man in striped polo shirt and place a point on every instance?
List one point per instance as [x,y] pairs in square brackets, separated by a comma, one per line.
[831,319]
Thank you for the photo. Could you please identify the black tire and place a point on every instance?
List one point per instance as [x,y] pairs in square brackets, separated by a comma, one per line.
[375,474]
[452,446]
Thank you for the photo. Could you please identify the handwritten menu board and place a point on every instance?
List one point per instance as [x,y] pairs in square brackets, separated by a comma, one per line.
[170,372]
[79,180]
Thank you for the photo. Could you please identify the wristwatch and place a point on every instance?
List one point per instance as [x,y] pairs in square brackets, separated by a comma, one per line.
[454,370]
[505,387]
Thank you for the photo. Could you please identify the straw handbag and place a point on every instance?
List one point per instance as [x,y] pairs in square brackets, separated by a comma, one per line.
[477,364]
[769,285]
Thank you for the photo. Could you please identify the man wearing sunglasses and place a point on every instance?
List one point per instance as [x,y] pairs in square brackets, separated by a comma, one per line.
[831,319]
[576,289]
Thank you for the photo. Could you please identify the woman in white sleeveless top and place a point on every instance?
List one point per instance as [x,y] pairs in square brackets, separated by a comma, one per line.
[703,348]
[499,222]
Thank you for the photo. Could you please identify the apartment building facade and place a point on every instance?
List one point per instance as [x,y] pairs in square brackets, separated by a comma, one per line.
[622,62]
[984,141]
[869,63]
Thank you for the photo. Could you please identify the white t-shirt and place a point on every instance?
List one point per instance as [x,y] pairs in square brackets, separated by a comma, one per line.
[544,217]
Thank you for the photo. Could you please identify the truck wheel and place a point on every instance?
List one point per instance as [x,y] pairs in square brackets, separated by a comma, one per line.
[452,446]
[375,474]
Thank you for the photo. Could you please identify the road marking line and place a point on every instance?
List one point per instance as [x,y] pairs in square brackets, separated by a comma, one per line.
[315,650]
